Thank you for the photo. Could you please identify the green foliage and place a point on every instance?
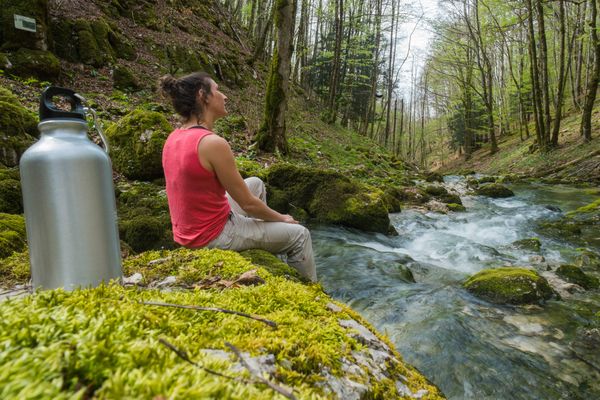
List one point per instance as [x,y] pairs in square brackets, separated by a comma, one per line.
[509,286]
[249,168]
[12,234]
[137,141]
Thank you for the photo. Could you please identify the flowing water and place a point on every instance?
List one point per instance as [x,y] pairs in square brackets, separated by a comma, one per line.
[469,348]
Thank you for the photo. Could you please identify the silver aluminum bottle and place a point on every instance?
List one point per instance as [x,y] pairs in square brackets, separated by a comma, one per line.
[69,202]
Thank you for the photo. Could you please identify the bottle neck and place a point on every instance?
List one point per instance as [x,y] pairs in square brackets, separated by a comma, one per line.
[63,127]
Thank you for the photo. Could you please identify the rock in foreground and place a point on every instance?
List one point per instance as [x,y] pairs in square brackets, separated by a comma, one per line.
[106,343]
[509,286]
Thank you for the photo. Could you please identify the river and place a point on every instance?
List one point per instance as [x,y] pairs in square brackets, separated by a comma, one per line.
[469,348]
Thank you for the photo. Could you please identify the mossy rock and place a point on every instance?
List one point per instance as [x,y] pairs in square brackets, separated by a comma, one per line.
[574,274]
[5,63]
[450,198]
[12,38]
[122,345]
[587,259]
[532,244]
[9,97]
[509,285]
[494,190]
[12,234]
[563,228]
[94,42]
[434,177]
[456,207]
[271,263]
[35,63]
[18,126]
[592,208]
[143,232]
[137,141]
[11,200]
[435,191]
[408,195]
[124,79]
[249,168]
[327,196]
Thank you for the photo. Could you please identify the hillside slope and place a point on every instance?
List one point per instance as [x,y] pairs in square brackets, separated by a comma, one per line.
[574,161]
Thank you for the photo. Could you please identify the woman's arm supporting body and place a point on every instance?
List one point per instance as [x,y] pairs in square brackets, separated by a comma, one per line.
[214,153]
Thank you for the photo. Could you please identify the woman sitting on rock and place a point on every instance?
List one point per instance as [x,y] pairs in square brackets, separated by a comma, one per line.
[209,202]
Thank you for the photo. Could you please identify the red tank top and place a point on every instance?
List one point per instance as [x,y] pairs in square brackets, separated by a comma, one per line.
[197,203]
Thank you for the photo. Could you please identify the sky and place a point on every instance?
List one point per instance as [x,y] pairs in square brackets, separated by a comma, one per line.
[421,38]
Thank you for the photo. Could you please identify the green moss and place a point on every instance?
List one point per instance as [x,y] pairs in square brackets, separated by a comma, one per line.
[590,208]
[18,127]
[533,244]
[231,126]
[143,232]
[37,63]
[12,234]
[271,263]
[509,286]
[266,138]
[249,168]
[456,207]
[450,198]
[327,196]
[433,177]
[137,141]
[574,274]
[104,343]
[124,79]
[11,201]
[494,190]
[587,259]
[8,97]
[435,191]
[15,270]
[564,228]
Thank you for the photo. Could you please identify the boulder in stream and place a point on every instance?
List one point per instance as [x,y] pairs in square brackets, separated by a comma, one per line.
[574,274]
[508,285]
[494,190]
[532,244]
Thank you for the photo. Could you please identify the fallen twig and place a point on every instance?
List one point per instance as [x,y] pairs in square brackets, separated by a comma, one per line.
[183,355]
[214,309]
[267,382]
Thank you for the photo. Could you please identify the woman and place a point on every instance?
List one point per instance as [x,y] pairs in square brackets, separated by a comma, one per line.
[209,202]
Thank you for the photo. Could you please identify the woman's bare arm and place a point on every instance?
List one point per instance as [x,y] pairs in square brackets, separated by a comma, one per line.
[215,154]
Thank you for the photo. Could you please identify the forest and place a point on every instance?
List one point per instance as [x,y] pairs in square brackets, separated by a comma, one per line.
[401,198]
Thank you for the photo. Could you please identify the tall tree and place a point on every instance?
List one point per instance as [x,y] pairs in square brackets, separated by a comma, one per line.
[271,135]
[592,87]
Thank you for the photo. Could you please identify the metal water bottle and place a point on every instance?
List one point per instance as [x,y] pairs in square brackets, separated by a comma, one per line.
[69,200]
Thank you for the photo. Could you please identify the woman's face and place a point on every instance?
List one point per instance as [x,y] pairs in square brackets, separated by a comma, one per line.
[215,101]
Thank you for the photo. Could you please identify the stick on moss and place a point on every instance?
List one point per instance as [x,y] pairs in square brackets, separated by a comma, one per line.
[214,309]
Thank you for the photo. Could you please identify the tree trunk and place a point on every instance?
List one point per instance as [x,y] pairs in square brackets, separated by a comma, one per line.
[592,88]
[271,135]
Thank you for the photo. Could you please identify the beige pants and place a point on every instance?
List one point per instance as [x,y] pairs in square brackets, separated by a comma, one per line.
[242,232]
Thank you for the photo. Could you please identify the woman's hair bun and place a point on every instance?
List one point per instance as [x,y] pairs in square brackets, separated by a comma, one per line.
[168,85]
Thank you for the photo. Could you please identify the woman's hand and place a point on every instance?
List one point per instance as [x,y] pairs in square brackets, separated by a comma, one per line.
[289,219]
